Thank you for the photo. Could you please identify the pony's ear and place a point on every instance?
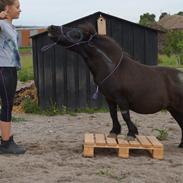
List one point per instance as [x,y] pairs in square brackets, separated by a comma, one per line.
[92,29]
[88,28]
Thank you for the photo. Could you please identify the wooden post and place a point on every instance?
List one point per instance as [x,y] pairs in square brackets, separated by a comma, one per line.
[88,151]
[101,25]
[157,153]
[123,152]
[89,142]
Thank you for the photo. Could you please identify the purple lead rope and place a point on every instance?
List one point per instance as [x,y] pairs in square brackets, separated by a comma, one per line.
[95,95]
[46,47]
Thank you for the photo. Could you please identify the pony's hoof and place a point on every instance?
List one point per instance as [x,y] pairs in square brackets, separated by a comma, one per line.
[130,138]
[180,145]
[112,135]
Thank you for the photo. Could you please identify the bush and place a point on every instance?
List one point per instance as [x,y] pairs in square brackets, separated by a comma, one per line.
[174,44]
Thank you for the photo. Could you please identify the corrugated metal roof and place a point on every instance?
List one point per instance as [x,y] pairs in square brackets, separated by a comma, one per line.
[29,27]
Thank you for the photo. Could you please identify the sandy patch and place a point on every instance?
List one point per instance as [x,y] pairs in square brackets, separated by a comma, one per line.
[54,152]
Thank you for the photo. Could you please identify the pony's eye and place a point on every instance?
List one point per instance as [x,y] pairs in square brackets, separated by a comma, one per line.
[75,35]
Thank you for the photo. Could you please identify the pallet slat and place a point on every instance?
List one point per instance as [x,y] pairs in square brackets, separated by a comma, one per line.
[111,141]
[89,139]
[100,139]
[155,142]
[122,142]
[144,141]
[134,143]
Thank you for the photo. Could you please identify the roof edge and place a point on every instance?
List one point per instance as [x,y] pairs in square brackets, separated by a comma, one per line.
[100,13]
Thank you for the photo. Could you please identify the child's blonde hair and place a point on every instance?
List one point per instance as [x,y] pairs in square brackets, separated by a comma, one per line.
[4,3]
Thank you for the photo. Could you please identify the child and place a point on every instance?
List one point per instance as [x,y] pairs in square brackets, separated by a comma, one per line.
[9,63]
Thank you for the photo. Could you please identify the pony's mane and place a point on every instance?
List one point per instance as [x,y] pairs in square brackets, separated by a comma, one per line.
[109,39]
[105,37]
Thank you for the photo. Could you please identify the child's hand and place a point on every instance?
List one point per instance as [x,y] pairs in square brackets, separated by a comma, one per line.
[3,15]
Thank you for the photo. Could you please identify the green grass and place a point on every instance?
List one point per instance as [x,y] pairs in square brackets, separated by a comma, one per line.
[18,119]
[26,73]
[25,50]
[92,110]
[30,106]
[162,133]
[165,60]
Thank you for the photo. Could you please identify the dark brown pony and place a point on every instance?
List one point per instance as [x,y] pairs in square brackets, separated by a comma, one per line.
[123,81]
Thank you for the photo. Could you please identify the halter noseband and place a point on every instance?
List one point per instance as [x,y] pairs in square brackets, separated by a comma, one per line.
[68,38]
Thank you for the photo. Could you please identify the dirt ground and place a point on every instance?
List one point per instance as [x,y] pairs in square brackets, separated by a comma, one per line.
[55,146]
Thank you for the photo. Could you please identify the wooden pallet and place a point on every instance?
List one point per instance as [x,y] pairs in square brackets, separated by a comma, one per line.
[150,143]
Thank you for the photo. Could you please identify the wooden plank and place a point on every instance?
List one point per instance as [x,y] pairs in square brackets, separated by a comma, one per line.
[100,139]
[155,142]
[157,153]
[123,152]
[143,141]
[88,151]
[134,143]
[111,141]
[122,142]
[89,139]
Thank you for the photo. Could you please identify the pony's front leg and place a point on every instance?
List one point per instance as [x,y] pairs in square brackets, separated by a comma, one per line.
[132,129]
[124,107]
[116,129]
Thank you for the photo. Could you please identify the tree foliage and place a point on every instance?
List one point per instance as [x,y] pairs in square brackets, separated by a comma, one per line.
[147,19]
[174,45]
[162,15]
[180,13]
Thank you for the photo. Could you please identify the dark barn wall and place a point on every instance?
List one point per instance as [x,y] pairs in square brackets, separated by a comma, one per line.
[62,77]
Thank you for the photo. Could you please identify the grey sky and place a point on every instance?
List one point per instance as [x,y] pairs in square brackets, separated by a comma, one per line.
[46,12]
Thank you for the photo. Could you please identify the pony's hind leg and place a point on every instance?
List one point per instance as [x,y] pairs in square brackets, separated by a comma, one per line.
[116,129]
[178,116]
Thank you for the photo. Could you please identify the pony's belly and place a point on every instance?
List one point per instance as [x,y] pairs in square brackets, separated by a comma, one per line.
[146,111]
[149,102]
[147,108]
